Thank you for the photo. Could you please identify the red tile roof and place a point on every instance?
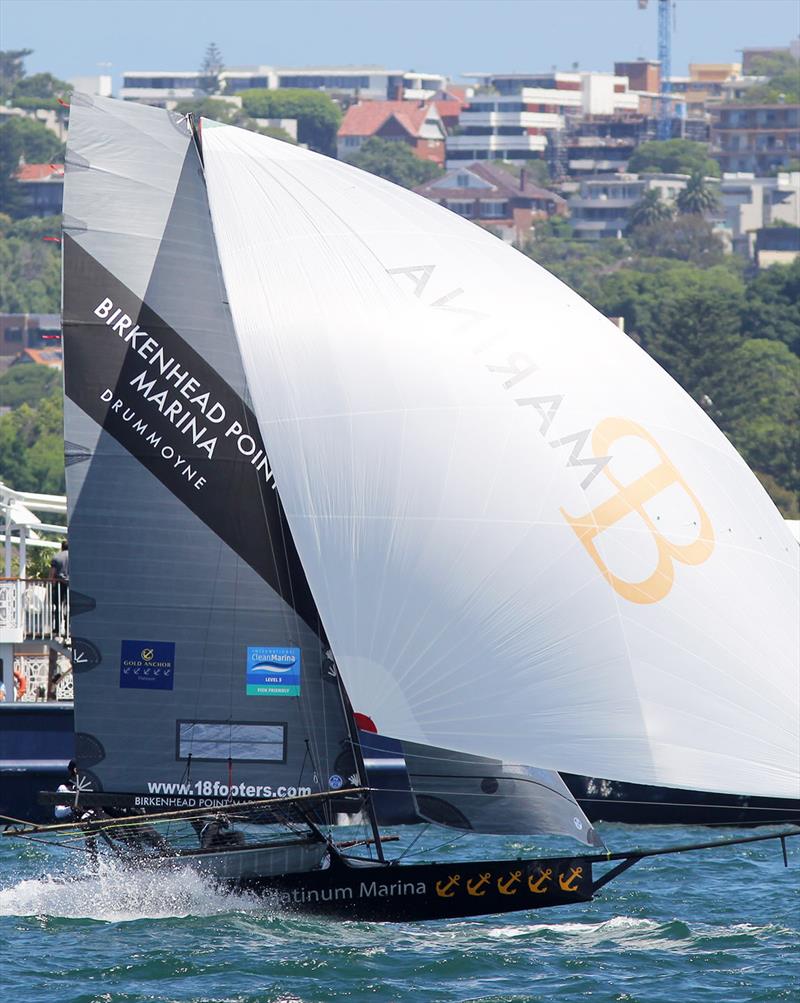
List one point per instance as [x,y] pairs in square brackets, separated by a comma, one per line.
[366,118]
[39,172]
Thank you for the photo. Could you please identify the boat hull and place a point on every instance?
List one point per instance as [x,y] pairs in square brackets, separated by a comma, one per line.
[400,893]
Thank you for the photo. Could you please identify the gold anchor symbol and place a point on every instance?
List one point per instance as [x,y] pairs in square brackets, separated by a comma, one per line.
[568,884]
[443,889]
[504,887]
[537,885]
[475,884]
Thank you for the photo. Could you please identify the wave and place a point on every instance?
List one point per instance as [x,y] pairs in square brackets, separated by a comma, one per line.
[117,895]
[636,933]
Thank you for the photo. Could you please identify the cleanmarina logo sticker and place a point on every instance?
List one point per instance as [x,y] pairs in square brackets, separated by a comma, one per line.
[147,665]
[273,672]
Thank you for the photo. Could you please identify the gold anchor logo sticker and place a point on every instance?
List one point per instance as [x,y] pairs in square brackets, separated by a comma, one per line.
[147,654]
[506,887]
[568,884]
[539,885]
[447,889]
[477,886]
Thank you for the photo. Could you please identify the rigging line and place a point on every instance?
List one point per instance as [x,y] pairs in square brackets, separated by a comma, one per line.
[419,835]
[447,842]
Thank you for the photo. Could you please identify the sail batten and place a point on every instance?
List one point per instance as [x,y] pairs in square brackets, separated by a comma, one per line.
[525,541]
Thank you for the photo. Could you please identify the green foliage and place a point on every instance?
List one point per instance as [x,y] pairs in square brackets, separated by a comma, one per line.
[396,162]
[783,82]
[211,67]
[582,264]
[41,90]
[697,198]
[318,117]
[537,171]
[673,156]
[27,384]
[213,108]
[683,238]
[23,137]
[772,305]
[649,210]
[30,268]
[12,69]
[32,446]
[688,320]
[219,110]
[756,402]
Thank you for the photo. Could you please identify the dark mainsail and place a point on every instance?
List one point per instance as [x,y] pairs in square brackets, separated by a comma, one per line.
[202,669]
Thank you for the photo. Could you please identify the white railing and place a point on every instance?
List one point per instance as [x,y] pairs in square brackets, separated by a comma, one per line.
[33,610]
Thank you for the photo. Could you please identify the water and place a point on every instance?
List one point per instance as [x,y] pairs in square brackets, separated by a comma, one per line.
[721,926]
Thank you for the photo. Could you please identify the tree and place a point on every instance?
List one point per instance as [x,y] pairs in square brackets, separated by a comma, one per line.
[12,69]
[782,84]
[32,446]
[772,305]
[683,238]
[688,320]
[30,269]
[41,90]
[650,209]
[756,401]
[673,156]
[26,138]
[318,117]
[697,197]
[396,162]
[211,67]
[28,384]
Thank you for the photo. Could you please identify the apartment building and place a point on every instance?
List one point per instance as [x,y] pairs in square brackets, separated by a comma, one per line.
[517,114]
[603,205]
[166,89]
[757,138]
[749,203]
[20,331]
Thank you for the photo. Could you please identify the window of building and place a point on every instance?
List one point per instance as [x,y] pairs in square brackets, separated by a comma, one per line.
[493,209]
[223,740]
[462,208]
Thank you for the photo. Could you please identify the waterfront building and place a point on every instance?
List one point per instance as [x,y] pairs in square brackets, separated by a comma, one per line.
[164,89]
[19,331]
[757,138]
[522,116]
[749,203]
[603,206]
[418,124]
[42,187]
[495,198]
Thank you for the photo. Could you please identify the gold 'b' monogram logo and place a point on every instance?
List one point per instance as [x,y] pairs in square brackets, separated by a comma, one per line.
[630,499]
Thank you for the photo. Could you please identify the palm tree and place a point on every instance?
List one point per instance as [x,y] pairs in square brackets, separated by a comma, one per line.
[697,198]
[650,209]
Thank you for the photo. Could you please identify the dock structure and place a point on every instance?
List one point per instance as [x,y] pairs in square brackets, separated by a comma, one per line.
[35,639]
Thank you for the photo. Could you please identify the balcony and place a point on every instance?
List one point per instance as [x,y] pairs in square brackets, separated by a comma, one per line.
[33,610]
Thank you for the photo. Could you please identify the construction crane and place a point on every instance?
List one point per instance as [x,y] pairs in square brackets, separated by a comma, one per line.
[665,58]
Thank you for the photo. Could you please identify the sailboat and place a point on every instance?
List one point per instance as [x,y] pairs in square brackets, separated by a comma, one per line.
[339,462]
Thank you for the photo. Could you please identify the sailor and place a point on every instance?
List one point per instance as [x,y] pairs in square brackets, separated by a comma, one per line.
[59,575]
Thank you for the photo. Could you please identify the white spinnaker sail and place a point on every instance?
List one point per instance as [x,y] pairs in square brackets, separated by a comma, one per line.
[524,539]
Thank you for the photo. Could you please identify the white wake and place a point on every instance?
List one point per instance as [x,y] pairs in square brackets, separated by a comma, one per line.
[116,895]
